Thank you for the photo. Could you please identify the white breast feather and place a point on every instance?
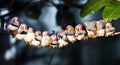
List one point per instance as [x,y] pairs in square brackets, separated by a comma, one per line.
[20,36]
[101,32]
[45,41]
[29,37]
[71,38]
[62,43]
[80,37]
[35,42]
[90,33]
[10,27]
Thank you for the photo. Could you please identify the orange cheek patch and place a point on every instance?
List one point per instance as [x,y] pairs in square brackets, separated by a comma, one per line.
[108,27]
[22,27]
[51,40]
[71,30]
[76,29]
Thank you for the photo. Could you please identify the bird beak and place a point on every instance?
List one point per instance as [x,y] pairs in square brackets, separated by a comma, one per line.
[76,29]
[35,35]
[51,40]
[22,27]
[71,30]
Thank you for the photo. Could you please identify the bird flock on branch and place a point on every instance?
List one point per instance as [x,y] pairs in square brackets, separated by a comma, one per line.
[60,38]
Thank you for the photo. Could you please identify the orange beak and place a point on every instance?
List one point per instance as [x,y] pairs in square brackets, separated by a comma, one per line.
[22,27]
[51,40]
[76,29]
[71,30]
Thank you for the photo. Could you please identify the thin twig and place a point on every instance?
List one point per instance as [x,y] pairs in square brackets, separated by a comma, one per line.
[116,33]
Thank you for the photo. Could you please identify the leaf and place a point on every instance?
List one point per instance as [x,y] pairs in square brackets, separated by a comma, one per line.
[111,11]
[92,6]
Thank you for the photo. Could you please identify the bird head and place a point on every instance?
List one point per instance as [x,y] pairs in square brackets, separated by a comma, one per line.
[69,29]
[23,27]
[30,30]
[78,28]
[54,38]
[45,33]
[38,34]
[108,25]
[15,21]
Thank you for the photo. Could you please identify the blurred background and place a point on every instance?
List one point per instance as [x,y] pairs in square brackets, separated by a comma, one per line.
[54,15]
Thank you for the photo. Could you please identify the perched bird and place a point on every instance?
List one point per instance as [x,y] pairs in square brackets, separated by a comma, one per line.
[109,29]
[45,39]
[100,25]
[22,31]
[13,25]
[62,38]
[79,32]
[53,41]
[29,36]
[37,40]
[70,33]
[91,29]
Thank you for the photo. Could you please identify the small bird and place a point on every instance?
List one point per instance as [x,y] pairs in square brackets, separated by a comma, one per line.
[13,25]
[70,33]
[109,29]
[37,40]
[79,32]
[62,38]
[45,39]
[22,31]
[53,41]
[29,36]
[91,29]
[100,25]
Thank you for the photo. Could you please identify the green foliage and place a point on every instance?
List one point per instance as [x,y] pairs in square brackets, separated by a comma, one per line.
[110,12]
[92,6]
